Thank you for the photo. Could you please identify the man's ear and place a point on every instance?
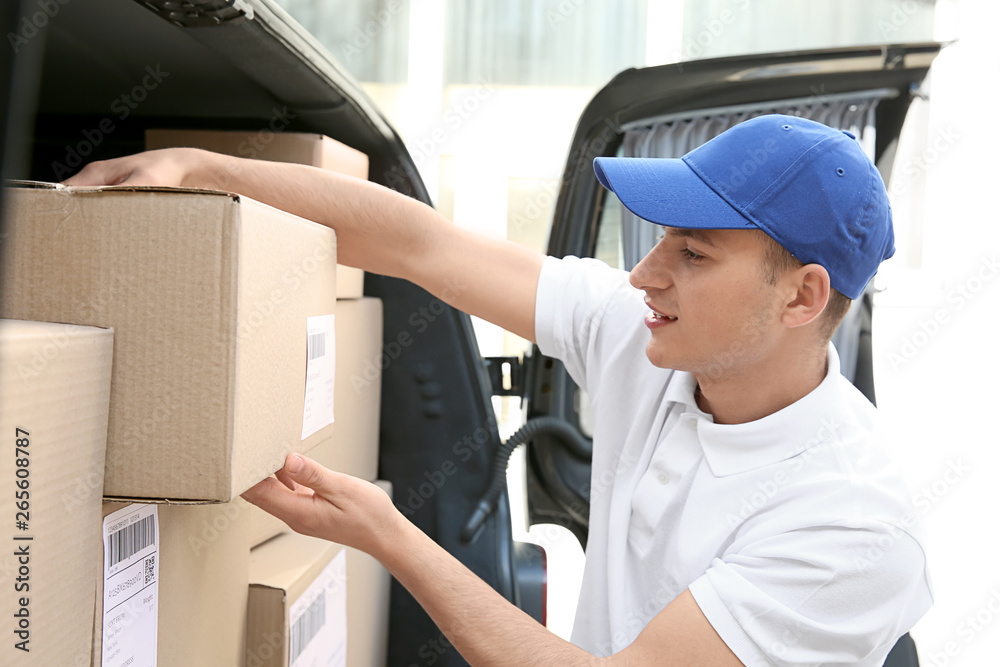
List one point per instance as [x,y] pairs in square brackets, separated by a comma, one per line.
[810,285]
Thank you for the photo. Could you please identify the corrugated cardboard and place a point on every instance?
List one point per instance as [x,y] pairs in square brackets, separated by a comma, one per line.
[55,382]
[312,149]
[282,569]
[353,446]
[368,585]
[209,295]
[203,575]
[264,526]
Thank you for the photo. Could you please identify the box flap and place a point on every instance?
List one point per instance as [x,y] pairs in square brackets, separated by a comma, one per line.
[291,562]
[83,189]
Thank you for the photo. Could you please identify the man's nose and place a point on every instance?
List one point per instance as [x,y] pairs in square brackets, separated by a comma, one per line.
[651,272]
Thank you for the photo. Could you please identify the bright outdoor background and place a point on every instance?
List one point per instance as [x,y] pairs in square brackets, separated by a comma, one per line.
[486,94]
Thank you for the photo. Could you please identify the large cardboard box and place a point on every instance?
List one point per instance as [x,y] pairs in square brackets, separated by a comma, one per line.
[310,596]
[299,148]
[190,584]
[212,297]
[55,382]
[353,445]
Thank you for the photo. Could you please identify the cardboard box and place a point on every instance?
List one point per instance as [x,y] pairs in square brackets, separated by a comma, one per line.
[210,296]
[55,383]
[264,526]
[353,445]
[312,149]
[200,607]
[296,578]
[368,587]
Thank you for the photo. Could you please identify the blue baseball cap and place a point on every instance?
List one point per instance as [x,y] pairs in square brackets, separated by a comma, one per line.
[809,187]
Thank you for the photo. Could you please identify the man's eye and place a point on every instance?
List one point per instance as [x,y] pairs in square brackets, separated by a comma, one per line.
[690,254]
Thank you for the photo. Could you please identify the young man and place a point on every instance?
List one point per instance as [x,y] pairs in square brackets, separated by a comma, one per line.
[751,517]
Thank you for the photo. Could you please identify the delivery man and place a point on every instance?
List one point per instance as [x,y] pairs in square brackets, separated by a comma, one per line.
[752,517]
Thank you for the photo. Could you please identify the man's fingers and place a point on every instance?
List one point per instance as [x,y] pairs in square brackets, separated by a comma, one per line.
[275,498]
[97,173]
[308,473]
[284,478]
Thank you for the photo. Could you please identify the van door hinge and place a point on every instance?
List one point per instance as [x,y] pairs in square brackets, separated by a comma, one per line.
[506,375]
[200,13]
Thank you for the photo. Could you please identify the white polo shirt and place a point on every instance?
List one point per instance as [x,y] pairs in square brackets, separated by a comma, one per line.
[792,532]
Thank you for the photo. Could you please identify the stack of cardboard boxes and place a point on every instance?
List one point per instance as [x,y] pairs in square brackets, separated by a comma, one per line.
[236,340]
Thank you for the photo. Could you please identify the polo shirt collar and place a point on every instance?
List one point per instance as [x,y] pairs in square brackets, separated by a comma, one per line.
[731,449]
[680,390]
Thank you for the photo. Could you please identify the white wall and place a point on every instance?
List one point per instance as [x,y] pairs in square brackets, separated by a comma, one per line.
[936,332]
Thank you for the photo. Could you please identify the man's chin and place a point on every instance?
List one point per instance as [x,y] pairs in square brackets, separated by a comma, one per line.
[662,359]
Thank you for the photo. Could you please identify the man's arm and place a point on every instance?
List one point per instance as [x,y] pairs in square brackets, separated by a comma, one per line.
[378,229]
[482,625]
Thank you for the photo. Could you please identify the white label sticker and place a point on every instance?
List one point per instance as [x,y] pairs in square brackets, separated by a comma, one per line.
[318,619]
[321,364]
[131,576]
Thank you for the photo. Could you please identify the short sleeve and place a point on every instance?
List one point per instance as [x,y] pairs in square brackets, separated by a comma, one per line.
[834,594]
[573,296]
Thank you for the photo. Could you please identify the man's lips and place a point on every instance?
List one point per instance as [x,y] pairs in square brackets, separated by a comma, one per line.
[659,314]
[656,318]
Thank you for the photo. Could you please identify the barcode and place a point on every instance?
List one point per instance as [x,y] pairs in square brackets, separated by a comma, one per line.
[316,345]
[307,627]
[131,539]
[148,569]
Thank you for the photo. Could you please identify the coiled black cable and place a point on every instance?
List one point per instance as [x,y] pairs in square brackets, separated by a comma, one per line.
[574,442]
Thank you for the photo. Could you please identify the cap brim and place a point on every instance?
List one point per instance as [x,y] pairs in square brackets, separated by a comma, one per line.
[668,192]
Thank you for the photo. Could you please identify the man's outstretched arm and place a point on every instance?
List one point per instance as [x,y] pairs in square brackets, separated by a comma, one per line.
[481,624]
[378,229]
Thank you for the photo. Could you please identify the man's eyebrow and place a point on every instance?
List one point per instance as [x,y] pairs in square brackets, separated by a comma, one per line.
[696,234]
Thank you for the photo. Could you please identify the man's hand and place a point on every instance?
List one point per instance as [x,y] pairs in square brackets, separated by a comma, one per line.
[485,628]
[170,167]
[333,506]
